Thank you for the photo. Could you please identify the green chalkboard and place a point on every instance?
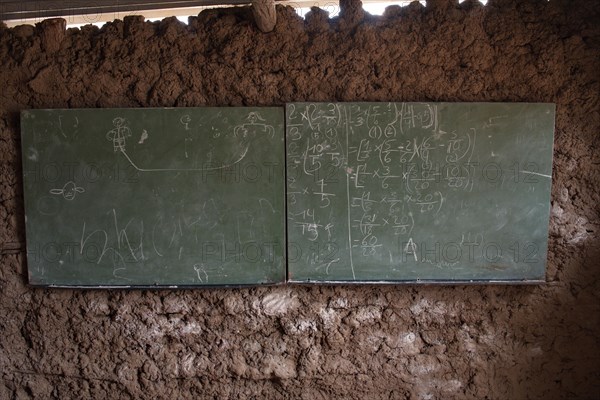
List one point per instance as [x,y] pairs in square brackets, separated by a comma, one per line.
[394,192]
[154,197]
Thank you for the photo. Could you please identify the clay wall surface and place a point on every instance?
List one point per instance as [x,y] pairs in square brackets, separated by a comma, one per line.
[315,342]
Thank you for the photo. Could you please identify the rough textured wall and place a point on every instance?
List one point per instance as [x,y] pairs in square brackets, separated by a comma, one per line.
[365,342]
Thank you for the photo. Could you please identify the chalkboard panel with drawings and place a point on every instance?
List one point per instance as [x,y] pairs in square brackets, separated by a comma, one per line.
[395,192]
[154,197]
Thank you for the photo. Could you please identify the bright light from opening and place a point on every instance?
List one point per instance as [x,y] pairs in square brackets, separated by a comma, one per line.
[303,7]
[373,8]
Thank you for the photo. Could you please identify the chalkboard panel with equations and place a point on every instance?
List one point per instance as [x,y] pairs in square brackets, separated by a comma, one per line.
[154,197]
[418,192]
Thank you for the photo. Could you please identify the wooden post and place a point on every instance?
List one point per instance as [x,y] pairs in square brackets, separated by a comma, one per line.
[265,14]
[52,33]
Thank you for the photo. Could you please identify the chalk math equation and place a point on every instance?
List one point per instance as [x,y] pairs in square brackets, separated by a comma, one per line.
[408,191]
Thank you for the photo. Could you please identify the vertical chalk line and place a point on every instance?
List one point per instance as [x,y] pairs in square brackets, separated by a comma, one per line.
[348,193]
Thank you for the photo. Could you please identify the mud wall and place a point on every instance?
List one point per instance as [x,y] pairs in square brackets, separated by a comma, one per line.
[318,342]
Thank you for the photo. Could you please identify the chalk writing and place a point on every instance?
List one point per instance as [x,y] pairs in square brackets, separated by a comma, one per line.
[155,197]
[381,180]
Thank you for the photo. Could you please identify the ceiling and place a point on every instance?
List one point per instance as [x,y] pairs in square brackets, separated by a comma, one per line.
[99,10]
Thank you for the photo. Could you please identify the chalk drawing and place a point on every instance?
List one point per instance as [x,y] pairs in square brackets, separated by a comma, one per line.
[68,191]
[118,134]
